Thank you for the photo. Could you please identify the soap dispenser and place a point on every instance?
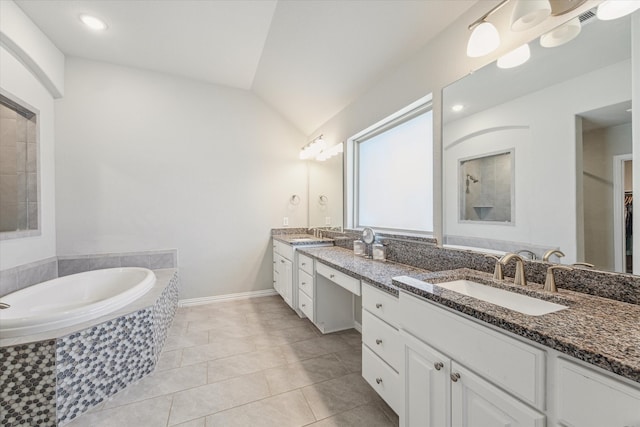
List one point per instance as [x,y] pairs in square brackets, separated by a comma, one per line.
[379,252]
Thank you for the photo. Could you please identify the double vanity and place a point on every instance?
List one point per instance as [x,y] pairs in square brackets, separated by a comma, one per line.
[460,348]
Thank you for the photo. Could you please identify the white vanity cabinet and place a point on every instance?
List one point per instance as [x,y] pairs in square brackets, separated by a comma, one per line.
[283,271]
[381,345]
[458,373]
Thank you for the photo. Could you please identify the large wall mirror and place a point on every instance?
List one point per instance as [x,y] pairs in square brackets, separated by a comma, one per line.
[566,114]
[19,189]
[325,192]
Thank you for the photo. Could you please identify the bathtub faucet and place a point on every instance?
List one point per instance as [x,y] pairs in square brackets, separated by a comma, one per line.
[4,305]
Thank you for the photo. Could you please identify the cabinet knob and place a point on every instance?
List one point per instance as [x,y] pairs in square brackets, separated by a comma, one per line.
[455,377]
[378,305]
[438,365]
[378,341]
[304,305]
[304,263]
[304,283]
[282,261]
[379,380]
[331,276]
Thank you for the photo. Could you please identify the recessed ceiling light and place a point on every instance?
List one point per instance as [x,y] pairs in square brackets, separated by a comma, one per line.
[457,108]
[93,22]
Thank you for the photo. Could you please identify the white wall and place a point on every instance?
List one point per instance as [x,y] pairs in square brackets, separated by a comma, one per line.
[545,157]
[149,161]
[34,49]
[635,124]
[22,39]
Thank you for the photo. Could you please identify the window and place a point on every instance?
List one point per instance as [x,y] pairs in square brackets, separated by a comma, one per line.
[392,172]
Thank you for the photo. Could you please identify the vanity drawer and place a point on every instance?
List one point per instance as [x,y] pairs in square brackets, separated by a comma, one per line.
[507,362]
[305,263]
[384,380]
[305,304]
[349,283]
[305,283]
[283,249]
[381,304]
[382,339]
[587,398]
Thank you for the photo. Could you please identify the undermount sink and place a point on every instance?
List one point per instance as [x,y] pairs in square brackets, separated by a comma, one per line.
[303,239]
[511,300]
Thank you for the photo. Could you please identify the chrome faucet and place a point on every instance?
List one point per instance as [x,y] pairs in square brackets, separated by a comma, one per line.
[550,280]
[552,252]
[4,305]
[521,278]
[498,274]
[532,255]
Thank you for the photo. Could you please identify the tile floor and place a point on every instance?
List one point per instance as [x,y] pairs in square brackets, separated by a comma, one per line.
[248,363]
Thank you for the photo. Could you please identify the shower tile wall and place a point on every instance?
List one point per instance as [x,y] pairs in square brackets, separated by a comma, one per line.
[486,189]
[18,171]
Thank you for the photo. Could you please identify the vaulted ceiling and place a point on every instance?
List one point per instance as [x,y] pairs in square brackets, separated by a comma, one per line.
[307,58]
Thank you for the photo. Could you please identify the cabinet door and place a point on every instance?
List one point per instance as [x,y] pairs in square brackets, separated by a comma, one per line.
[477,403]
[587,398]
[426,379]
[276,273]
[286,279]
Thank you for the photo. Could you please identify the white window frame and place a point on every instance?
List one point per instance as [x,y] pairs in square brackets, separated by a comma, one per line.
[412,110]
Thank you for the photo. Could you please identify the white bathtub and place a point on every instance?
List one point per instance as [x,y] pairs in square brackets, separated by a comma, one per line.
[72,299]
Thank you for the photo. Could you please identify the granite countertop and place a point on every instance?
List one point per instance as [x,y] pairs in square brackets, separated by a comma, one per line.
[301,239]
[599,331]
[377,273]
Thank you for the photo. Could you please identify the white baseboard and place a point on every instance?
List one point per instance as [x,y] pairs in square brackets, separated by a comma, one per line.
[357,326]
[229,297]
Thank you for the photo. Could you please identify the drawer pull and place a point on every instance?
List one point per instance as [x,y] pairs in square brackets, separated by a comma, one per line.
[378,305]
[304,305]
[379,380]
[304,283]
[455,377]
[304,263]
[331,276]
[378,341]
[438,365]
[282,261]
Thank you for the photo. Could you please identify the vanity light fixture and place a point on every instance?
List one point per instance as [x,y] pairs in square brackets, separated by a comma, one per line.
[529,13]
[457,108]
[313,148]
[330,152]
[93,23]
[563,34]
[614,9]
[525,15]
[516,57]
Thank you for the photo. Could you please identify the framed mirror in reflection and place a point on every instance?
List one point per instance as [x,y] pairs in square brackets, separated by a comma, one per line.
[325,192]
[19,193]
[567,115]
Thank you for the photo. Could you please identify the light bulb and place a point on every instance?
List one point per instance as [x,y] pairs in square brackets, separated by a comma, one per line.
[610,9]
[529,13]
[483,40]
[562,34]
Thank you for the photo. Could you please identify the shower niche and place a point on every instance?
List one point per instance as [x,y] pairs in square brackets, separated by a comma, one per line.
[486,188]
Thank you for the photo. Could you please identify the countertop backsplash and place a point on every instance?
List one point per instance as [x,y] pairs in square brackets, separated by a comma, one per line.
[422,252]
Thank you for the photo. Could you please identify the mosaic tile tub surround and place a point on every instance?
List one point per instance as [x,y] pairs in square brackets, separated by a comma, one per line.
[53,381]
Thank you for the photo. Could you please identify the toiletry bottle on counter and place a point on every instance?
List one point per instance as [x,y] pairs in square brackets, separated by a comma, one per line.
[379,252]
[359,248]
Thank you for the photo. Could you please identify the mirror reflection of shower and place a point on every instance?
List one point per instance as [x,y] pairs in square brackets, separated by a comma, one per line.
[472,178]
